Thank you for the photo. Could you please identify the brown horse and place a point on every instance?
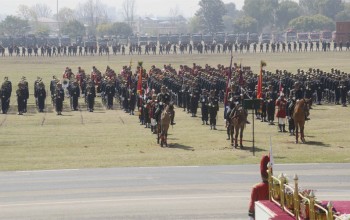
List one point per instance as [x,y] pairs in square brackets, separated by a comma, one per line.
[301,110]
[238,121]
[165,120]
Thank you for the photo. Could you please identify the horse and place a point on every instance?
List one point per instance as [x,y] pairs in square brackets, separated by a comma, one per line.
[165,119]
[301,110]
[238,121]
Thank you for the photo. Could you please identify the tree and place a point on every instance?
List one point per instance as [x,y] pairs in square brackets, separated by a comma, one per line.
[263,11]
[66,14]
[312,23]
[117,28]
[194,25]
[231,10]
[286,11]
[92,13]
[129,11]
[210,15]
[27,13]
[246,24]
[73,28]
[13,26]
[327,8]
[42,10]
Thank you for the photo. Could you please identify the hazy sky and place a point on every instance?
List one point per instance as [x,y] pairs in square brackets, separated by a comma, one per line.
[143,7]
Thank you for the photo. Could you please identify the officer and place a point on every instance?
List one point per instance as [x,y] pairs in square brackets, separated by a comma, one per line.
[271,97]
[25,93]
[204,107]
[59,98]
[40,95]
[281,114]
[5,94]
[213,109]
[194,97]
[110,93]
[20,92]
[163,99]
[74,93]
[90,96]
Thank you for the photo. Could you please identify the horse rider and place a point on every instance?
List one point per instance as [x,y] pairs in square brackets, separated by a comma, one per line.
[297,94]
[163,99]
[5,94]
[281,114]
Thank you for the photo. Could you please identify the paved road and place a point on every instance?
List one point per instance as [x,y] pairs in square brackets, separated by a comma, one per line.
[216,192]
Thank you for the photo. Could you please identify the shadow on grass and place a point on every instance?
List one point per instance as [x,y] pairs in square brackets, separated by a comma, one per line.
[317,143]
[180,146]
[250,148]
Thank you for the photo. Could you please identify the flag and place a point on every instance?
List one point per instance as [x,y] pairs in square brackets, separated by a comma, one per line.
[272,162]
[260,80]
[228,82]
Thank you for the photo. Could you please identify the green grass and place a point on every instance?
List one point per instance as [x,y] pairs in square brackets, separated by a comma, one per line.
[111,138]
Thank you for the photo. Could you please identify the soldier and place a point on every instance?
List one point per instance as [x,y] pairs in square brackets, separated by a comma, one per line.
[20,92]
[5,94]
[132,96]
[40,95]
[204,107]
[343,93]
[110,93]
[90,96]
[25,93]
[260,191]
[271,97]
[194,97]
[213,109]
[59,98]
[74,93]
[290,110]
[36,86]
[164,97]
[281,103]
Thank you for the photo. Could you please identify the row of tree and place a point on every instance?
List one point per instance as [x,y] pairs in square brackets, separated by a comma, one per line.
[94,18]
[269,15]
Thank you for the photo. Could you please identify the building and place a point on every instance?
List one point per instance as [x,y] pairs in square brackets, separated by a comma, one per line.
[342,32]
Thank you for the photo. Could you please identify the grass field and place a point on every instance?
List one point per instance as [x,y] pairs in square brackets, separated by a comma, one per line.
[110,138]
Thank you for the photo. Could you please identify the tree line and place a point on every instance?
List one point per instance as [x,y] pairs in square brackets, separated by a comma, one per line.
[92,17]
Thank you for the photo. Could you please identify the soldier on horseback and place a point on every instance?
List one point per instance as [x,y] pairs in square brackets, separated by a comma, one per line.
[163,99]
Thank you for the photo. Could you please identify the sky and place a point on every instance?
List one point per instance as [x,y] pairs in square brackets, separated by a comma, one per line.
[186,8]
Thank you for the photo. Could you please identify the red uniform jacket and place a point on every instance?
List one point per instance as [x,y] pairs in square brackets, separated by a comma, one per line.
[259,192]
[282,108]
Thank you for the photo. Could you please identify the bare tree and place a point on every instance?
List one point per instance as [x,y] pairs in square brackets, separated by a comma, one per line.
[66,14]
[174,14]
[26,13]
[42,10]
[92,13]
[129,11]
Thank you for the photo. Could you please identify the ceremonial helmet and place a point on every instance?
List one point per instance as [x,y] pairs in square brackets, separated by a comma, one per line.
[263,167]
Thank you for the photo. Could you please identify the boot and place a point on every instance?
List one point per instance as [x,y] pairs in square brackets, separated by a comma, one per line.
[202,122]
[206,123]
[280,127]
[284,128]
[214,127]
[211,127]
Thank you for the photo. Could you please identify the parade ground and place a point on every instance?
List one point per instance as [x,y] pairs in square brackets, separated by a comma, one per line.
[112,138]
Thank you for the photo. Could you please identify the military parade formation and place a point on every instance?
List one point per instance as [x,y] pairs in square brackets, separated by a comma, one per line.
[189,88]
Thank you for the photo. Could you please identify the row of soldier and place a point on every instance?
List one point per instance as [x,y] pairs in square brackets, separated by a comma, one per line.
[173,48]
[184,86]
